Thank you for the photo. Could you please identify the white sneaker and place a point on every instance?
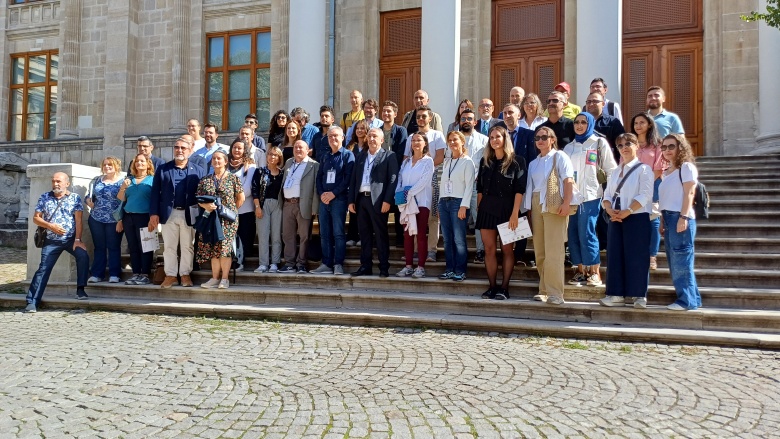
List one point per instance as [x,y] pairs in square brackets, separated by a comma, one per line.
[94,280]
[240,268]
[273,268]
[675,307]
[419,273]
[640,302]
[555,300]
[223,284]
[594,280]
[338,269]
[322,269]
[210,284]
[612,301]
[113,280]
[350,243]
[261,269]
[406,271]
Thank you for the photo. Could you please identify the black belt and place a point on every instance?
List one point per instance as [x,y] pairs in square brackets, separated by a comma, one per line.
[365,193]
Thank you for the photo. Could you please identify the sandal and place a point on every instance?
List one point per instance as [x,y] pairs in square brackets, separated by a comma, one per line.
[653,263]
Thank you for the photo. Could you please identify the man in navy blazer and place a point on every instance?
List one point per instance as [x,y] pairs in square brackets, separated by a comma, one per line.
[395,140]
[174,206]
[371,194]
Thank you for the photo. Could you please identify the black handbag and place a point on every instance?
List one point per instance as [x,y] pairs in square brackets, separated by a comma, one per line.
[226,213]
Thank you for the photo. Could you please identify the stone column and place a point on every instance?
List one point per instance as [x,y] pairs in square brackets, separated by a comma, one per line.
[308,47]
[180,66]
[68,105]
[601,21]
[119,74]
[40,182]
[440,53]
[768,139]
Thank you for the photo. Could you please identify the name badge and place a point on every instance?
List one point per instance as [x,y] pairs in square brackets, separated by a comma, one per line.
[289,182]
[448,188]
[331,177]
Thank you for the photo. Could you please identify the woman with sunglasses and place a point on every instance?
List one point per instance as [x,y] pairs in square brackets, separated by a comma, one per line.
[589,153]
[628,202]
[549,226]
[276,130]
[678,219]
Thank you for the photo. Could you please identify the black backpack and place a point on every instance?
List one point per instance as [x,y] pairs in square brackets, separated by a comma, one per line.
[701,199]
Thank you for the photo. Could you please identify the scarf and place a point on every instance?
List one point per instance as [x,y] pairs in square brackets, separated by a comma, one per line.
[581,138]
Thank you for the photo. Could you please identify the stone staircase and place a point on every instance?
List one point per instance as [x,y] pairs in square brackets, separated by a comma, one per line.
[737,267]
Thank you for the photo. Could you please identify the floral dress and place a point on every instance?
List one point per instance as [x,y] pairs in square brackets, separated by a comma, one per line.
[229,187]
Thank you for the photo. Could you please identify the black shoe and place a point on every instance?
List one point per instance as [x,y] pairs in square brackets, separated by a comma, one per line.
[287,269]
[362,271]
[501,294]
[81,294]
[302,269]
[384,273]
[490,293]
[480,257]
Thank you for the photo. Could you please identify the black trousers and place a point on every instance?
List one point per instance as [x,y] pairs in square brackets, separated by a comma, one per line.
[372,226]
[246,233]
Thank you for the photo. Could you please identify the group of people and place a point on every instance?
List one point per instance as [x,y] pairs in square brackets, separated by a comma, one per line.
[563,168]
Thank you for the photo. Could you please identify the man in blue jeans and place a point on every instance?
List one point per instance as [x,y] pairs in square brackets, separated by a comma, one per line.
[59,212]
[333,187]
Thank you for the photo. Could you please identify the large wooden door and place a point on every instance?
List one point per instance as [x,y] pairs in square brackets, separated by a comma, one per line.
[527,47]
[666,53]
[399,60]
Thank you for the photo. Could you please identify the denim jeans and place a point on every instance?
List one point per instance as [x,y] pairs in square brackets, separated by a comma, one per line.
[49,254]
[333,238]
[454,231]
[107,243]
[583,242]
[655,236]
[140,261]
[680,253]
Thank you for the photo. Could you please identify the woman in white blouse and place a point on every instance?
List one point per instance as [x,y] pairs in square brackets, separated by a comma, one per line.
[416,173]
[457,181]
[549,228]
[588,153]
[531,112]
[628,242]
[678,219]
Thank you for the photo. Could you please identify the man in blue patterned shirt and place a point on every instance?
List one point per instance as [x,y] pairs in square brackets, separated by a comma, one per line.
[59,212]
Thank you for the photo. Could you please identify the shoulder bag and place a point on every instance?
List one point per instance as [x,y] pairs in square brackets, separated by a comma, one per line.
[604,214]
[601,174]
[554,197]
[40,232]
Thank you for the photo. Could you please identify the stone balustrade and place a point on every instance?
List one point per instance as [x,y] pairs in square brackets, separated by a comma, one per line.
[33,14]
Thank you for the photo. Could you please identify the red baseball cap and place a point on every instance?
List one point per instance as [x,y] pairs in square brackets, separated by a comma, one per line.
[565,86]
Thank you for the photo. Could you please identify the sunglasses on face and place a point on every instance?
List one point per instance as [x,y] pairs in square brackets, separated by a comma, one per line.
[543,138]
[466,119]
[250,122]
[553,101]
[671,147]
[623,145]
[281,117]
[422,116]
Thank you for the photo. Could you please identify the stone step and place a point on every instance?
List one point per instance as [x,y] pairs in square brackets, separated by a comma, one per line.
[753,183]
[391,309]
[725,193]
[766,245]
[706,229]
[722,205]
[735,175]
[747,216]
[737,160]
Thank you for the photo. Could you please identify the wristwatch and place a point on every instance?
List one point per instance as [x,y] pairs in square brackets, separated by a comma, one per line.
[78,239]
[684,217]
[630,210]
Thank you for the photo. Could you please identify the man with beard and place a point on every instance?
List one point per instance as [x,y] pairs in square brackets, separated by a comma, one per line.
[320,145]
[370,107]
[608,126]
[563,127]
[475,142]
[395,140]
[59,212]
[410,118]
[210,134]
[666,122]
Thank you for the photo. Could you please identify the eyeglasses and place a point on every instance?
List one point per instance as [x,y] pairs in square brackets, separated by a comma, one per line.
[179,147]
[593,101]
[580,122]
[281,117]
[422,116]
[623,145]
[530,104]
[250,122]
[485,105]
[467,119]
[553,101]
[543,138]
[671,147]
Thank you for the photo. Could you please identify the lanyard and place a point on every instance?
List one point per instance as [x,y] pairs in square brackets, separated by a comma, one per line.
[449,176]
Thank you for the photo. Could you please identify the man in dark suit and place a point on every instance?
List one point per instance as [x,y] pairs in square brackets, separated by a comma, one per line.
[174,206]
[371,193]
[395,140]
[486,119]
[145,147]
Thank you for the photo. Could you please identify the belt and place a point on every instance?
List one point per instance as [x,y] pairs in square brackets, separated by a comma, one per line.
[365,193]
[449,199]
[178,208]
[292,200]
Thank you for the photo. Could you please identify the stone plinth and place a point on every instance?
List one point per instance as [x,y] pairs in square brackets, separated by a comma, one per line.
[40,182]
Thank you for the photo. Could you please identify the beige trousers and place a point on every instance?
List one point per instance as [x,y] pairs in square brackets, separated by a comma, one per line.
[549,236]
[176,233]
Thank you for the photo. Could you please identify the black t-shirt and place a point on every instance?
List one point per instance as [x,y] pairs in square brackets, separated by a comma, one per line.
[563,129]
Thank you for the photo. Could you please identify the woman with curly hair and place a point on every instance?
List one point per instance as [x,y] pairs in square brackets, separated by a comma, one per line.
[678,219]
[277,126]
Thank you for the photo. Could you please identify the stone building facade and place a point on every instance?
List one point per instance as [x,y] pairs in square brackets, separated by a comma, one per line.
[126,68]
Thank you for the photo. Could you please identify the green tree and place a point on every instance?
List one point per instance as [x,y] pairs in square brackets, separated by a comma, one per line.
[771,16]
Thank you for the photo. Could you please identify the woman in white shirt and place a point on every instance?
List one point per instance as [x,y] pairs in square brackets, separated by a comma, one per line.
[588,153]
[531,112]
[242,165]
[416,173]
[628,242]
[549,228]
[678,219]
[457,181]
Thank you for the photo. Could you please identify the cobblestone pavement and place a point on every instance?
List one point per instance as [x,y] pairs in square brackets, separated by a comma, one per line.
[76,374]
[13,268]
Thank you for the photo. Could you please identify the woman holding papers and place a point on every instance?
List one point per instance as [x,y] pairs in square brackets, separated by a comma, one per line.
[457,181]
[628,201]
[549,226]
[136,192]
[500,187]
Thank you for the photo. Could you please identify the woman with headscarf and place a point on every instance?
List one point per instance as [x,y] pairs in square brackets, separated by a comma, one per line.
[589,153]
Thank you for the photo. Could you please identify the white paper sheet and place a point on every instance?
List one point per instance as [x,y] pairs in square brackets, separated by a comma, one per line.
[522,231]
[149,240]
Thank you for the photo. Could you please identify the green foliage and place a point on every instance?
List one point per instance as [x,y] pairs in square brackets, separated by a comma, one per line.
[771,16]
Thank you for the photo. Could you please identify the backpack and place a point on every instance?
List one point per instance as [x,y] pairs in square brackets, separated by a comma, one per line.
[701,199]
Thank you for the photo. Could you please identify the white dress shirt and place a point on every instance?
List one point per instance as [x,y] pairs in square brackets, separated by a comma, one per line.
[292,184]
[539,171]
[638,186]
[418,176]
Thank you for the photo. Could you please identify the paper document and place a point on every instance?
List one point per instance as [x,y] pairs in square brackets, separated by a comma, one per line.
[149,240]
[522,231]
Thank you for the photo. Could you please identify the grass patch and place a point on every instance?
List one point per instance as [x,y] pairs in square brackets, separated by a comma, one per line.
[576,345]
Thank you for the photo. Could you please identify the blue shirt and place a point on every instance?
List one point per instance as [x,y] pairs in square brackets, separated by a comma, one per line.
[207,152]
[340,165]
[104,197]
[320,146]
[180,188]
[667,123]
[65,216]
[139,195]
[307,135]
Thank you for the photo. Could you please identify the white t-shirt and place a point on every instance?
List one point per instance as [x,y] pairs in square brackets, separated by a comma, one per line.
[670,192]
[436,141]
[199,144]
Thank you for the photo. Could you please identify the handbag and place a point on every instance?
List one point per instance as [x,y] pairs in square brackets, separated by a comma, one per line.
[554,197]
[119,212]
[616,195]
[226,213]
[401,197]
[40,233]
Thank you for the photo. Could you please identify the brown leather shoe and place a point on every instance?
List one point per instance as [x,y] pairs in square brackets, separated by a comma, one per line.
[168,282]
[186,281]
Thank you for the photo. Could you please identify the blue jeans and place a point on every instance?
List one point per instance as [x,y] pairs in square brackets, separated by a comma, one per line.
[680,252]
[333,217]
[583,241]
[454,231]
[628,269]
[655,236]
[107,242]
[49,254]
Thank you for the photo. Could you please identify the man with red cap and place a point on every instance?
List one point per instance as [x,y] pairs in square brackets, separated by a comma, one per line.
[570,110]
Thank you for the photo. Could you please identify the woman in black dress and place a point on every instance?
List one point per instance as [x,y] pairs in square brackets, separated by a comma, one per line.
[500,188]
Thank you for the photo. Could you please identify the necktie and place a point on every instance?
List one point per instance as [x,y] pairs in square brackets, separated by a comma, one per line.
[484,127]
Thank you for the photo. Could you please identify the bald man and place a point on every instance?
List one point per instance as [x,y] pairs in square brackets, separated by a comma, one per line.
[410,122]
[516,96]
